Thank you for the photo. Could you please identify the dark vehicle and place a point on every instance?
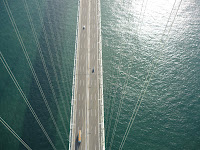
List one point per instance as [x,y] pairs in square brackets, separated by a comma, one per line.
[93,70]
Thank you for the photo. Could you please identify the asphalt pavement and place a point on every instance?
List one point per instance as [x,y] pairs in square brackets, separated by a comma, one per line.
[87,83]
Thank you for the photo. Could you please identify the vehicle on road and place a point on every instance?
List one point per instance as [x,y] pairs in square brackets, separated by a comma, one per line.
[83,27]
[93,70]
[79,136]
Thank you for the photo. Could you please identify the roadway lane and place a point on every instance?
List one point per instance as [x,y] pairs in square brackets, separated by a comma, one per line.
[93,101]
[81,74]
[87,84]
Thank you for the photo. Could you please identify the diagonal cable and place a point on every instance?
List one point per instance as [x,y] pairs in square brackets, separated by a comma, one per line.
[43,61]
[153,71]
[25,98]
[14,133]
[51,58]
[58,50]
[125,85]
[45,68]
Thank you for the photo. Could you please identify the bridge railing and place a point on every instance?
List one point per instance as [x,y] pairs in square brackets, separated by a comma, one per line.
[101,121]
[72,117]
[101,112]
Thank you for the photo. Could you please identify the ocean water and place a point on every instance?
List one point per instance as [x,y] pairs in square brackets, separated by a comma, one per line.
[151,54]
[137,34]
[59,20]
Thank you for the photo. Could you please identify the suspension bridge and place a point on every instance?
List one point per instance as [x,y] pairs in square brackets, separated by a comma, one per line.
[87,112]
[87,102]
[87,105]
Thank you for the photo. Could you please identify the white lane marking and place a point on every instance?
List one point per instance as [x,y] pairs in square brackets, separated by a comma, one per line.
[95,147]
[79,112]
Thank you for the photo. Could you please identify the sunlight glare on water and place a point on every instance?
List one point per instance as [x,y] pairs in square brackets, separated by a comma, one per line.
[135,34]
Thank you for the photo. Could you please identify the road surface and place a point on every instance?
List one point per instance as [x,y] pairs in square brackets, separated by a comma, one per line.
[87,83]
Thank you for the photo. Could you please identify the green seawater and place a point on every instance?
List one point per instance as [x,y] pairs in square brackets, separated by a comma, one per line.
[137,34]
[138,38]
[13,109]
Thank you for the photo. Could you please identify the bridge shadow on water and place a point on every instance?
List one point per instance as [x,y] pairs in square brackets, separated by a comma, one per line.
[32,133]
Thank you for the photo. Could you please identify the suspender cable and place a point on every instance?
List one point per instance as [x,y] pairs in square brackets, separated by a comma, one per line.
[25,98]
[14,133]
[148,78]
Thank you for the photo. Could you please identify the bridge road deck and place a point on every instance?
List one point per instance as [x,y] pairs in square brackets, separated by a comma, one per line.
[87,84]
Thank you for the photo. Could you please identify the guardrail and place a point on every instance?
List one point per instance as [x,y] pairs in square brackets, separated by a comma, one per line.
[72,117]
[101,123]
[73,108]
